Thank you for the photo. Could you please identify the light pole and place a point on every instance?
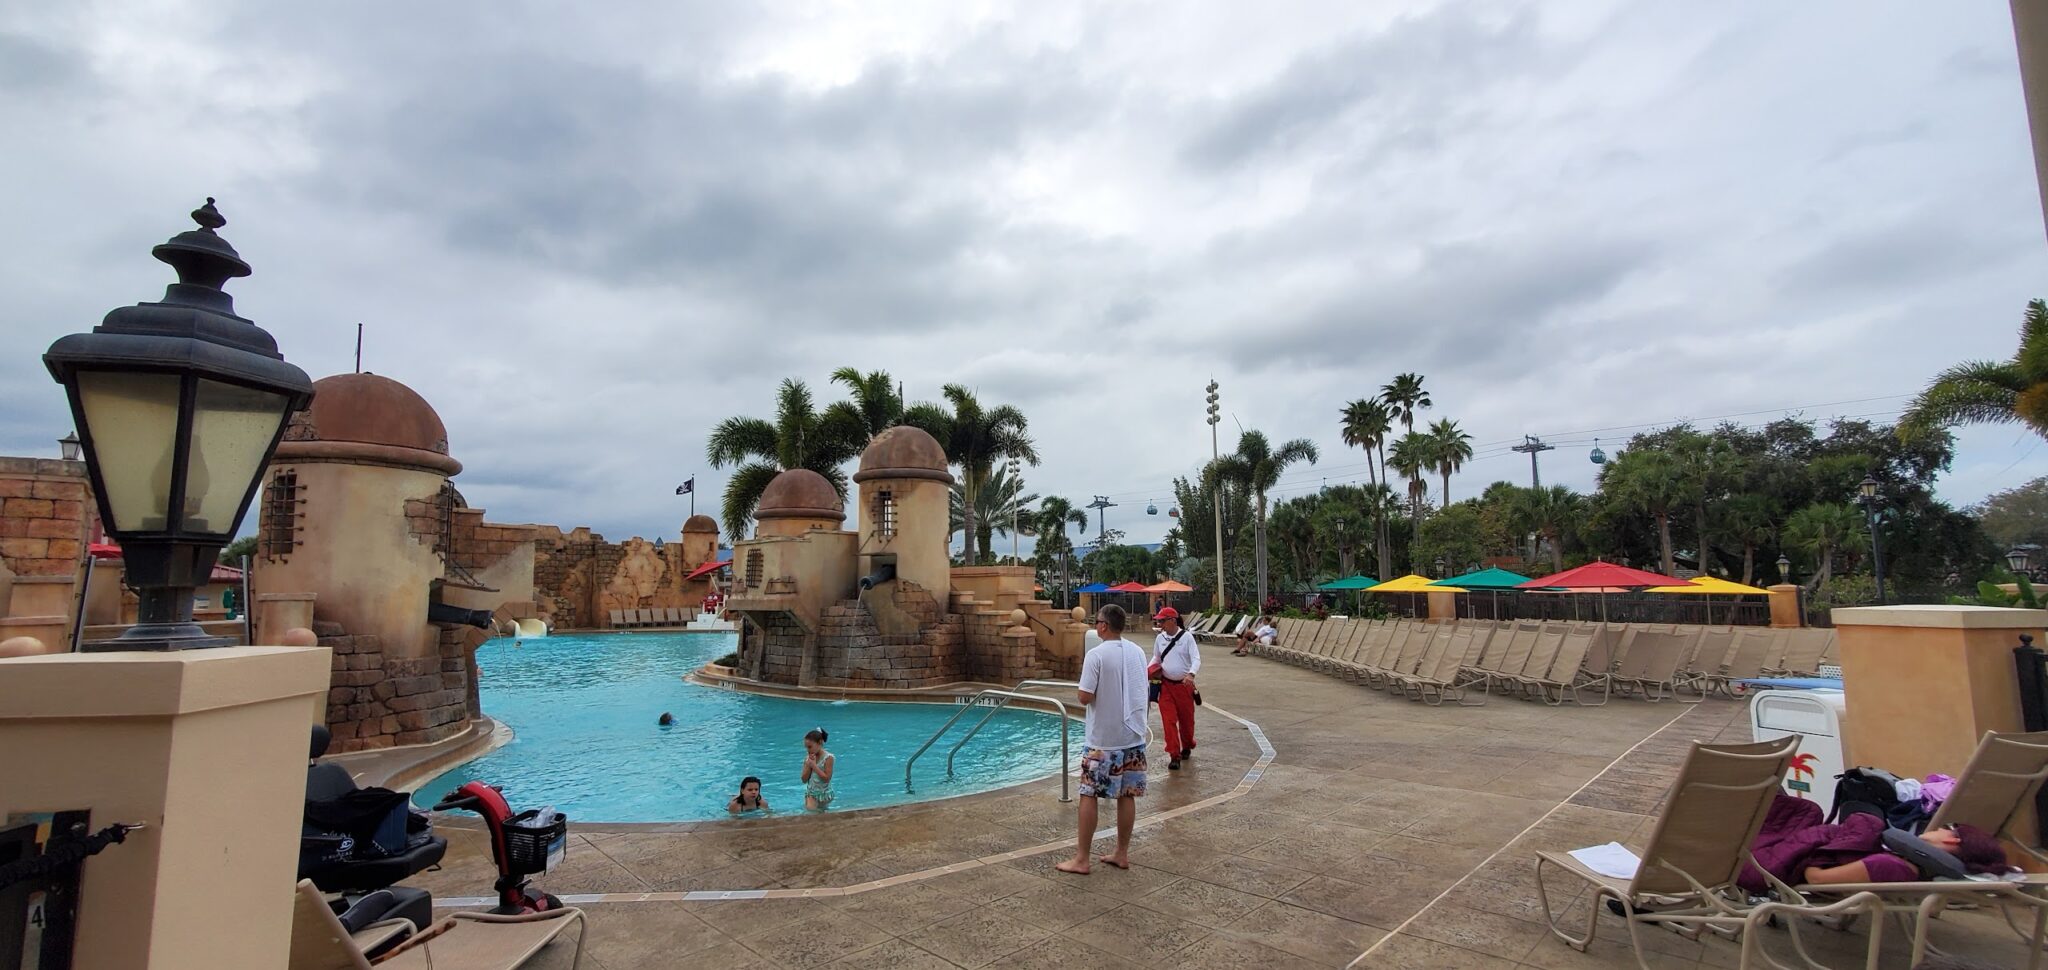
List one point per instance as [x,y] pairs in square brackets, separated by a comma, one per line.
[2018,558]
[1010,486]
[178,405]
[1216,490]
[68,447]
[1866,496]
[1784,569]
[1439,567]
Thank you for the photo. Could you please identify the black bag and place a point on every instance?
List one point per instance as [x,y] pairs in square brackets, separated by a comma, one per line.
[1871,791]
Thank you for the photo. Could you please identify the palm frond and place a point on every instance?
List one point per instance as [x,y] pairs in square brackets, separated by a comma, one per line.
[735,440]
[742,492]
[1973,392]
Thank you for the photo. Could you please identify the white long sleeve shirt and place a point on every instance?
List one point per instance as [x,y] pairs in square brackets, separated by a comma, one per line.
[1185,659]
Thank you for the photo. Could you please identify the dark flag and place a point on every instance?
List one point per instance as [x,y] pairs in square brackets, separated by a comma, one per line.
[688,487]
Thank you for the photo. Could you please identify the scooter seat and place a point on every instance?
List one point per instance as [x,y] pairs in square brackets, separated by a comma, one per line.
[358,875]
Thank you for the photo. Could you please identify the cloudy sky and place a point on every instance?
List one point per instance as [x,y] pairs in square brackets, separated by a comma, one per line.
[587,233]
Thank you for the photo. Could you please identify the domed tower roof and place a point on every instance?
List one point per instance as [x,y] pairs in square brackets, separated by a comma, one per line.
[904,452]
[800,493]
[700,523]
[364,417]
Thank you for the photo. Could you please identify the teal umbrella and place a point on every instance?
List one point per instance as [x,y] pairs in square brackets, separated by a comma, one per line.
[1493,580]
[1350,582]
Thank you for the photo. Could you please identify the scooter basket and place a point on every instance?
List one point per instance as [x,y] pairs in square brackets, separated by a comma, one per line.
[531,848]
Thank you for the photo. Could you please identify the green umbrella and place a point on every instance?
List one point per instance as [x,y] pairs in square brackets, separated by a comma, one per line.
[1350,582]
[1493,580]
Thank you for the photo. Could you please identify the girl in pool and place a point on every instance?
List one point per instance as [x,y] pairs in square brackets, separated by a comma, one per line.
[817,776]
[749,799]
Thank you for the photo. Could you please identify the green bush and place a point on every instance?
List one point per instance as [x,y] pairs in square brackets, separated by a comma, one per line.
[729,660]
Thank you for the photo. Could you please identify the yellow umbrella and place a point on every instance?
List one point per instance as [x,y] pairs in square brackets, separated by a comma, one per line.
[1711,585]
[1412,583]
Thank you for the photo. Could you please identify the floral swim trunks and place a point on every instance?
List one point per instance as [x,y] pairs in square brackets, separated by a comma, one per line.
[1113,774]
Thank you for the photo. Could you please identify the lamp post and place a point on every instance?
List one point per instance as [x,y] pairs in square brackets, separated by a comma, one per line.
[1784,569]
[1439,567]
[178,405]
[1216,491]
[1866,496]
[2019,558]
[68,447]
[1010,485]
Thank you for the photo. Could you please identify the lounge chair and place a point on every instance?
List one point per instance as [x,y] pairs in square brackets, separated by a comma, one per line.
[1510,655]
[1570,673]
[463,941]
[1995,789]
[1652,662]
[1709,654]
[1803,653]
[1686,877]
[617,618]
[1436,675]
[1755,648]
[1536,669]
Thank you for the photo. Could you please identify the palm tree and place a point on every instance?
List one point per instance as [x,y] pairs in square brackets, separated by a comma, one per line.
[1256,465]
[877,401]
[799,437]
[1647,480]
[1049,525]
[1000,503]
[1990,392]
[975,439]
[1551,513]
[1411,458]
[1404,395]
[1450,447]
[1367,422]
[1746,519]
[1823,529]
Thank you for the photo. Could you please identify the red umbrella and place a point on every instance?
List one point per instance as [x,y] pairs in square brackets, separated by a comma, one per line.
[1137,587]
[1601,577]
[1594,575]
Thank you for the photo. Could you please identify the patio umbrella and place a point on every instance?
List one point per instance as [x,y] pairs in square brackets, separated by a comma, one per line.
[1092,588]
[1492,580]
[1413,583]
[1130,587]
[1601,577]
[1710,586]
[1360,581]
[1169,587]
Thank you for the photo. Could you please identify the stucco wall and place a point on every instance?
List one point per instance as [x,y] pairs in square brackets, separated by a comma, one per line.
[919,541]
[578,578]
[354,549]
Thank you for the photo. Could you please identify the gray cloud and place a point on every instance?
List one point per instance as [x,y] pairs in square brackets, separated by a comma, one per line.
[587,239]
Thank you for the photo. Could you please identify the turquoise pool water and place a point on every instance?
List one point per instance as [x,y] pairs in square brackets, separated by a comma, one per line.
[583,712]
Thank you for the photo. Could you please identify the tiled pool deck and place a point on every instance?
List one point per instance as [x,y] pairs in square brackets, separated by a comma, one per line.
[1385,834]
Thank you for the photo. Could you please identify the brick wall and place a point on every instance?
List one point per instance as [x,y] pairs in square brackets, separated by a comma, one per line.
[46,515]
[474,544]
[379,702]
[579,578]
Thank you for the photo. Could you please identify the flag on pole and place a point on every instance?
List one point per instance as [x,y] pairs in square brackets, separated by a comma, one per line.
[688,487]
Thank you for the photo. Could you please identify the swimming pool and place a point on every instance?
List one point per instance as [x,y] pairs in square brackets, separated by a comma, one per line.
[583,710]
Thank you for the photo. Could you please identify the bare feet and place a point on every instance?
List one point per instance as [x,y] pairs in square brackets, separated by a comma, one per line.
[1075,867]
[1119,861]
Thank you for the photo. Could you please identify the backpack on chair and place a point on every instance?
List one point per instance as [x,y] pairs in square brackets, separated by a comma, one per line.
[1865,790]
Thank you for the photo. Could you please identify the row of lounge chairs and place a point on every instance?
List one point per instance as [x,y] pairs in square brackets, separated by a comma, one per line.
[659,616]
[1695,853]
[1583,663]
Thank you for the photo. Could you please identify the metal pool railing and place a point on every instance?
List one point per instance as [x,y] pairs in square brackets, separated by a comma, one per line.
[1001,698]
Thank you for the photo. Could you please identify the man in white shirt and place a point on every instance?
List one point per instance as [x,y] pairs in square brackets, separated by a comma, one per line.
[1113,759]
[1259,631]
[1177,658]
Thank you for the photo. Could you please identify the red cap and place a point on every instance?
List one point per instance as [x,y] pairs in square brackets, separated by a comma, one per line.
[1166,613]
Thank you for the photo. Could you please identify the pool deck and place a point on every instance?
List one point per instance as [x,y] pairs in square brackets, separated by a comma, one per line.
[1384,833]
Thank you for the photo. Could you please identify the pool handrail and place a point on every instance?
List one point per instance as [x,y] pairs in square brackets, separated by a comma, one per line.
[1066,723]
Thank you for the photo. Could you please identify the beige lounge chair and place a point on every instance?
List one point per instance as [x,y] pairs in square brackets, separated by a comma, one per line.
[1804,652]
[1686,877]
[1652,665]
[1755,648]
[463,941]
[1570,673]
[1995,789]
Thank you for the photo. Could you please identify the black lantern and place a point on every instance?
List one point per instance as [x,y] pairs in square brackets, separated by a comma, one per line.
[1784,569]
[1439,567]
[178,406]
[2018,558]
[69,448]
[1873,508]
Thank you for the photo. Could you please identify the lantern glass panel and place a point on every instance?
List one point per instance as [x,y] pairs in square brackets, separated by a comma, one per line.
[132,421]
[232,428]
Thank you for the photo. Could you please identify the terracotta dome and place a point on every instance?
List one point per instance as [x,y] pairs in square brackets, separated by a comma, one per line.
[700,523]
[800,493]
[904,452]
[368,418]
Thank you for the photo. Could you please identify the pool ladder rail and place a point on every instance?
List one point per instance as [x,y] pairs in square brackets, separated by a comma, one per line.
[1001,698]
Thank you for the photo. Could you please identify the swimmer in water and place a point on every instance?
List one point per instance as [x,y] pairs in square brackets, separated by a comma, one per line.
[667,719]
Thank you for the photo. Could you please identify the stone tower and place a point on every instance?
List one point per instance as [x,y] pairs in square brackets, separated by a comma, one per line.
[904,493]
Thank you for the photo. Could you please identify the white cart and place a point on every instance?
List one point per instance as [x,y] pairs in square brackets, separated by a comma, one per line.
[1816,717]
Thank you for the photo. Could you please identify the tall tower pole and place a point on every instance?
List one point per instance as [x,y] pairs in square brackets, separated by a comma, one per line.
[1532,445]
[1216,493]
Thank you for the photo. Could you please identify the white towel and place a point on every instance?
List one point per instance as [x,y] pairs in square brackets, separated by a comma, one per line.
[1612,860]
[1909,789]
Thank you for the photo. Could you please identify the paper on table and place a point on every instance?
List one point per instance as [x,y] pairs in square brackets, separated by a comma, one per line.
[1612,860]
